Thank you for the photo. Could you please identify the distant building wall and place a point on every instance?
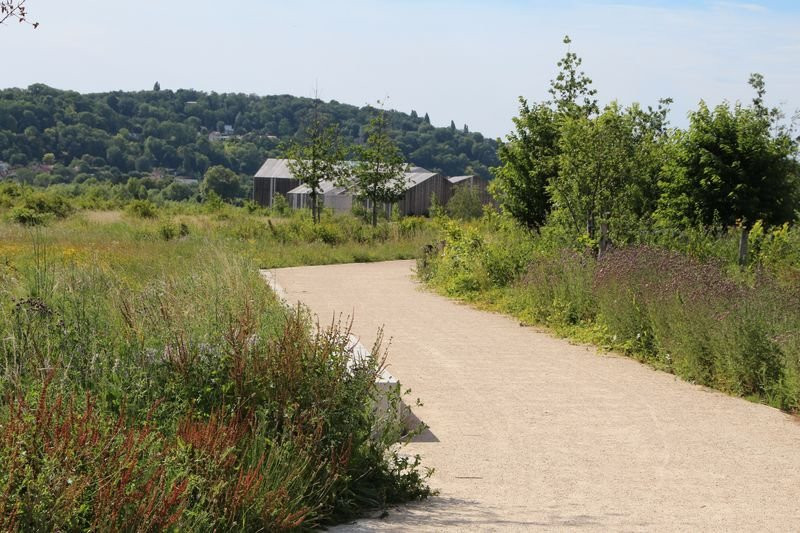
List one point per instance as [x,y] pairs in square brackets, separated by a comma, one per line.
[264,189]
[417,199]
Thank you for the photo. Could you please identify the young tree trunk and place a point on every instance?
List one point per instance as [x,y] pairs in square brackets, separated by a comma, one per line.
[374,213]
[590,226]
[604,240]
[313,197]
[744,241]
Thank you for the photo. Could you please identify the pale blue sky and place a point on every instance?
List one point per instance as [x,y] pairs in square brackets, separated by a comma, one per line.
[463,60]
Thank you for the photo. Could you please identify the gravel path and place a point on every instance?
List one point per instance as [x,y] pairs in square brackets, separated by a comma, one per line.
[529,431]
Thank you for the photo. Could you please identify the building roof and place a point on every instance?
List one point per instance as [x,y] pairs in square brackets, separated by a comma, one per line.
[275,168]
[459,179]
[415,178]
[325,187]
[279,168]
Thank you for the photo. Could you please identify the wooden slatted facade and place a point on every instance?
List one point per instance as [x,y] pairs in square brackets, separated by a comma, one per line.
[421,188]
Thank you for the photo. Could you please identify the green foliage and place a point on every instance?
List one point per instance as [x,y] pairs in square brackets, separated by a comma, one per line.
[280,205]
[379,174]
[126,133]
[142,209]
[727,167]
[465,203]
[318,157]
[530,161]
[571,90]
[221,181]
[605,171]
[179,382]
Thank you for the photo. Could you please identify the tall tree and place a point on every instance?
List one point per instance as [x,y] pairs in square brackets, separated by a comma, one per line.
[379,175]
[530,161]
[530,156]
[734,165]
[598,169]
[571,90]
[317,157]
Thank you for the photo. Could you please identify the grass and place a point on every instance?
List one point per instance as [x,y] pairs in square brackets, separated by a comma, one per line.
[150,380]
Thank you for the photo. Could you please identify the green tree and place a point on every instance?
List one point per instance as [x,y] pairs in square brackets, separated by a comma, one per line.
[530,156]
[222,181]
[465,203]
[317,157]
[598,169]
[732,166]
[379,175]
[572,90]
[530,161]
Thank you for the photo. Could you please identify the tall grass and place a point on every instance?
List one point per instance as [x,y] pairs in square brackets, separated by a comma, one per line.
[150,383]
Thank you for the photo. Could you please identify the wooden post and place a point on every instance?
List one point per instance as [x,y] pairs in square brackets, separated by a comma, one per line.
[744,241]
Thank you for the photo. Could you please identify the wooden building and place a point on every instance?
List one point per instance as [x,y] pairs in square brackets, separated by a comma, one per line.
[274,177]
[331,197]
[421,187]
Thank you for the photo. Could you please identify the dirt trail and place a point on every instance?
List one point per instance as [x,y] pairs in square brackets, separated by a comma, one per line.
[529,431]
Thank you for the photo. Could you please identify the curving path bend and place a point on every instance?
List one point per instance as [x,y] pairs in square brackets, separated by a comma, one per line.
[528,431]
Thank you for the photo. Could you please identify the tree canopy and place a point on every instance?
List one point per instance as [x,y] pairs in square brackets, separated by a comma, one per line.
[187,131]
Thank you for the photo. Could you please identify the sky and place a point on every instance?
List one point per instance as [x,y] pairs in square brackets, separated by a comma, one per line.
[466,60]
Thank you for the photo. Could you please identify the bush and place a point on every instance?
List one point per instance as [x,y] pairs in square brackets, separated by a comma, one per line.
[48,203]
[465,204]
[27,217]
[142,209]
[280,205]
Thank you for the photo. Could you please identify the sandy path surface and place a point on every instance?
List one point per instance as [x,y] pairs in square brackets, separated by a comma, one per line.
[529,431]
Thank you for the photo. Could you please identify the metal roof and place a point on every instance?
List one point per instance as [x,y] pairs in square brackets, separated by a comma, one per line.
[324,187]
[459,179]
[415,178]
[275,168]
[279,168]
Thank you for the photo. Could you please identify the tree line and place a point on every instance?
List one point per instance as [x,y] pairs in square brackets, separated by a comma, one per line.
[618,173]
[131,133]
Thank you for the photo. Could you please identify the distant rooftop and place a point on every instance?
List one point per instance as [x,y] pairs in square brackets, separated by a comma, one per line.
[279,168]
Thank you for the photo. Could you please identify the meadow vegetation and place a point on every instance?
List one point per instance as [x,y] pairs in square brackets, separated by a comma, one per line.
[150,380]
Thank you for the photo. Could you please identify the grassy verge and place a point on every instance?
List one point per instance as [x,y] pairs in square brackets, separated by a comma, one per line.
[149,379]
[695,316]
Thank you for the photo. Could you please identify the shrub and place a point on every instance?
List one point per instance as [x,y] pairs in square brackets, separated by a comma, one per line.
[27,217]
[142,209]
[465,204]
[48,203]
[280,206]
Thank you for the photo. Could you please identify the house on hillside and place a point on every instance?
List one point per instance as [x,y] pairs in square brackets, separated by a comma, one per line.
[471,181]
[274,177]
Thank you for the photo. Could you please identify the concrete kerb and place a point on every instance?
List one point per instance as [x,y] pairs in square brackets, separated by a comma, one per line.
[388,386]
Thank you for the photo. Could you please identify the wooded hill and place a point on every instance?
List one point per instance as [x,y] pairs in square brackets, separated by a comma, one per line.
[138,131]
